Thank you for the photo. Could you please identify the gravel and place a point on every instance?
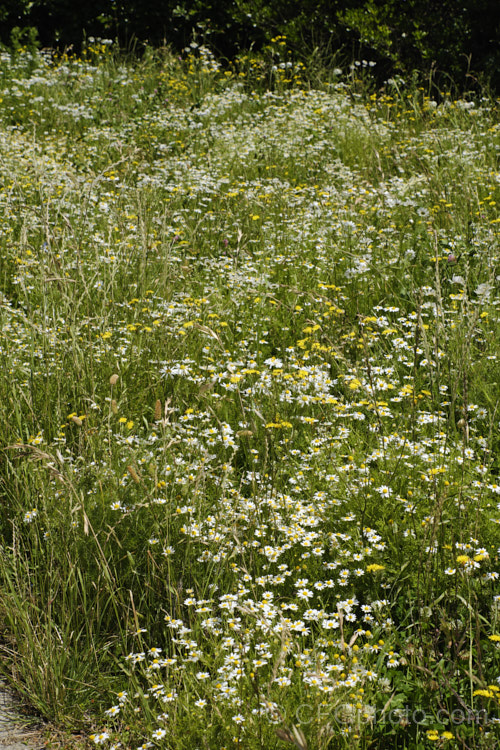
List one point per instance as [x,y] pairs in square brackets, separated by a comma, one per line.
[18,731]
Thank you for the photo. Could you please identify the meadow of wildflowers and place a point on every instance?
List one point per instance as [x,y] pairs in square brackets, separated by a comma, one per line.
[250,404]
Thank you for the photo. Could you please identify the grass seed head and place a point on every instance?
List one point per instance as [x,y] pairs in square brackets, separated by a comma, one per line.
[158,410]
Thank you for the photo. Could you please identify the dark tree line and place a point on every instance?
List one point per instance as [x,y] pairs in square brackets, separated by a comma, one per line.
[455,38]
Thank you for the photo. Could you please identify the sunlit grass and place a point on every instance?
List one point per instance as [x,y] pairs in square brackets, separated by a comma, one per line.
[249,397]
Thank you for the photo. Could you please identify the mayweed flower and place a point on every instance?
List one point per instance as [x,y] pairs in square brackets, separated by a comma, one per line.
[99,739]
[30,515]
[159,734]
[384,491]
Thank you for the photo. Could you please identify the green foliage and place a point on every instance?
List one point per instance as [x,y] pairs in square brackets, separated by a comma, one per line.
[446,41]
[453,39]
[24,39]
[249,399]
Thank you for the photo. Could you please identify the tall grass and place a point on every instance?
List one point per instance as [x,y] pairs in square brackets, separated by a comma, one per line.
[249,389]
